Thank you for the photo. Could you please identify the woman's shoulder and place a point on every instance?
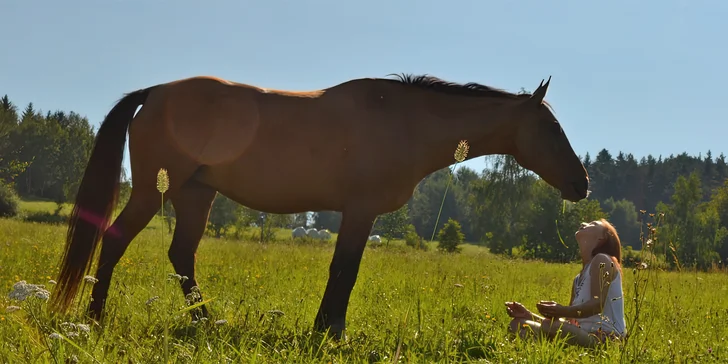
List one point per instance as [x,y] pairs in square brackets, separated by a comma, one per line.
[601,258]
[602,261]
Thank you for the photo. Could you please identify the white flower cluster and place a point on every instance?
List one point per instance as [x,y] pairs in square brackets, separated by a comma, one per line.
[74,330]
[23,290]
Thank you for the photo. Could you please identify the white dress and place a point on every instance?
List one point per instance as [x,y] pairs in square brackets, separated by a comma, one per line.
[612,317]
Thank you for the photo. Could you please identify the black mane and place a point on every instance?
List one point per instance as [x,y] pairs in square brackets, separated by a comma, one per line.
[440,85]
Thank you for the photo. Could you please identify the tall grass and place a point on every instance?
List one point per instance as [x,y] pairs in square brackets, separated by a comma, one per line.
[416,306]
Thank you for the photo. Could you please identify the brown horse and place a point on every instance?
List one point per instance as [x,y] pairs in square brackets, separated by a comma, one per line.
[359,147]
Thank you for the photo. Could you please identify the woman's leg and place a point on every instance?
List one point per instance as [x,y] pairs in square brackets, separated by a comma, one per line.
[524,328]
[573,334]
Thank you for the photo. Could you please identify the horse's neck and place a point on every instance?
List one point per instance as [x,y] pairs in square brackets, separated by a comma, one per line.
[437,133]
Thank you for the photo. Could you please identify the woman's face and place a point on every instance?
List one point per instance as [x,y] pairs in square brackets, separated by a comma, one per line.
[589,234]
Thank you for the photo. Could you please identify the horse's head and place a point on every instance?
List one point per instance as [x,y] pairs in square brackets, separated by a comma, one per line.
[542,147]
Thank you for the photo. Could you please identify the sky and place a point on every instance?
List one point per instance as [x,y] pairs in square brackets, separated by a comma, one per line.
[643,77]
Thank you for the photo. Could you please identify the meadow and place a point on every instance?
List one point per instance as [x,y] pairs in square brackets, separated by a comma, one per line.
[407,306]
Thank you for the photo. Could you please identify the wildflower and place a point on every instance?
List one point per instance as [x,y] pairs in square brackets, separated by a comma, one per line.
[642,265]
[10,309]
[68,326]
[162,180]
[171,276]
[23,290]
[55,336]
[83,327]
[90,279]
[220,322]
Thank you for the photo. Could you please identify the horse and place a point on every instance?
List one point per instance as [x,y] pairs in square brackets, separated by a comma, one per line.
[286,152]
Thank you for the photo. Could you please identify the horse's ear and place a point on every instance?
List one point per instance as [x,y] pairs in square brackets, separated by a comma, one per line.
[540,93]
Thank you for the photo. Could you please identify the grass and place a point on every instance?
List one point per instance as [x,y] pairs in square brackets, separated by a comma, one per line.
[405,307]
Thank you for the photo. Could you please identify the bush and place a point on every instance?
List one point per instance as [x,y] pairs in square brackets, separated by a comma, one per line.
[450,236]
[45,217]
[9,201]
[413,240]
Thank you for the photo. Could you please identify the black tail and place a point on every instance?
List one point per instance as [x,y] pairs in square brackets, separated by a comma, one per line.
[96,198]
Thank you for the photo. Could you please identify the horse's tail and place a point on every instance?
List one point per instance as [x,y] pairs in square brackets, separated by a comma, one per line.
[96,199]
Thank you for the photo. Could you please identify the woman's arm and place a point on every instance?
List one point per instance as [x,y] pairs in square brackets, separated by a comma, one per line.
[601,274]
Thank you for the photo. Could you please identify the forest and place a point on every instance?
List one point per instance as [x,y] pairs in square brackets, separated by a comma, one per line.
[504,207]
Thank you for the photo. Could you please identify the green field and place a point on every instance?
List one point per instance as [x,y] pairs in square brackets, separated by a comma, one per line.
[406,306]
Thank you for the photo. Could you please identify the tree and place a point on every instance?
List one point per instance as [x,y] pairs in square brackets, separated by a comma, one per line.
[450,237]
[393,225]
[497,201]
[223,215]
[623,216]
[552,223]
[330,220]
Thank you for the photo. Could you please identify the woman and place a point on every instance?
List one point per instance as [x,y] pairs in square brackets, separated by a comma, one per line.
[596,311]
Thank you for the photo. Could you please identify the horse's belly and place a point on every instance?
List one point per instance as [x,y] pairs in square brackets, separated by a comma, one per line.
[276,187]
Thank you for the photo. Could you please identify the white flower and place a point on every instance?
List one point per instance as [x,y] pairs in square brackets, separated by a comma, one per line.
[90,279]
[171,276]
[23,290]
[10,309]
[67,326]
[55,335]
[83,327]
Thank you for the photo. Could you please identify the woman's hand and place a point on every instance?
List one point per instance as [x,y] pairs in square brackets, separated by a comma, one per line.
[517,310]
[551,309]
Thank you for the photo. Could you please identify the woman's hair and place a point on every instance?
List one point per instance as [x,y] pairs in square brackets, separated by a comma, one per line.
[610,244]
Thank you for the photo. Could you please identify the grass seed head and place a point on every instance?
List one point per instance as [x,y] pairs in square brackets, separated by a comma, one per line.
[461,152]
[162,180]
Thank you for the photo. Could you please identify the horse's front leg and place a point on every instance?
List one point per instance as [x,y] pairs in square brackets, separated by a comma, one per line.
[353,234]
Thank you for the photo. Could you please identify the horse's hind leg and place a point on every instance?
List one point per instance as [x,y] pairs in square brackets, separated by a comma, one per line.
[137,213]
[192,208]
[143,203]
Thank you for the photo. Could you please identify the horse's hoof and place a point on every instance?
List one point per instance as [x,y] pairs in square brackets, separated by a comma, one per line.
[335,331]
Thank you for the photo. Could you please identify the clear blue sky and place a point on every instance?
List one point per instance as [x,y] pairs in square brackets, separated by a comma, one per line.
[639,76]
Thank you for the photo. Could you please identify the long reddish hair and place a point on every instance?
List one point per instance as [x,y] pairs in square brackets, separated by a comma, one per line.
[610,244]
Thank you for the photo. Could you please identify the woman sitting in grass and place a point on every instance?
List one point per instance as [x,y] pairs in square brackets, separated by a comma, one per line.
[596,311]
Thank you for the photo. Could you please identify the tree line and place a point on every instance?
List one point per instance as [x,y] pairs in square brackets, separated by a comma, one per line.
[504,207]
